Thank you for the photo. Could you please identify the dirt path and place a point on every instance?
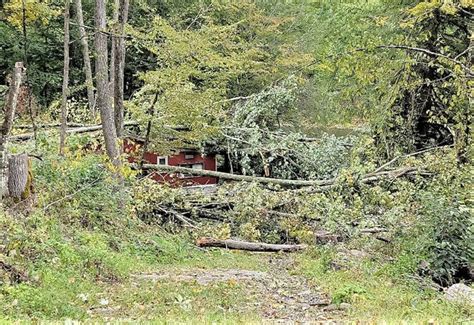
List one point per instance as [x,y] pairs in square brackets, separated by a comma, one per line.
[276,295]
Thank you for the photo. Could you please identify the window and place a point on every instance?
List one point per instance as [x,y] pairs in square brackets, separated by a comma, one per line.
[188,156]
[162,160]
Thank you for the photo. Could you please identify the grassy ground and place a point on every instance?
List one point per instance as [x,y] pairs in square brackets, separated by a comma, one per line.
[65,290]
[379,292]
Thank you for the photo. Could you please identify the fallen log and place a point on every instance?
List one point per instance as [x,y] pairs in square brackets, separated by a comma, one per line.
[83,129]
[235,177]
[48,125]
[247,246]
[319,184]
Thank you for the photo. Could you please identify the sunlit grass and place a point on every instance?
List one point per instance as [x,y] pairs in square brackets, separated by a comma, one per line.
[375,294]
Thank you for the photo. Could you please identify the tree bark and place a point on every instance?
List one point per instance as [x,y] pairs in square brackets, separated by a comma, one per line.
[19,177]
[151,112]
[86,56]
[9,113]
[103,99]
[65,90]
[247,246]
[119,66]
[112,49]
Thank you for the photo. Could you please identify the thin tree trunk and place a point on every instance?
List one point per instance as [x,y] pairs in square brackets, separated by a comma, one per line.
[151,112]
[86,56]
[119,67]
[115,18]
[103,102]
[65,92]
[9,113]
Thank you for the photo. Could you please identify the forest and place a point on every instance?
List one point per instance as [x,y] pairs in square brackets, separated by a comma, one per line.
[237,162]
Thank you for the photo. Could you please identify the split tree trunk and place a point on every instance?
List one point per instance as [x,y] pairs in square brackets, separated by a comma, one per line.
[65,90]
[9,111]
[247,246]
[103,102]
[86,56]
[119,66]
[19,177]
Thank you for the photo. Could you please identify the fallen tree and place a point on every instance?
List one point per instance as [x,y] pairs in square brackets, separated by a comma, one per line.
[48,125]
[247,246]
[75,130]
[323,184]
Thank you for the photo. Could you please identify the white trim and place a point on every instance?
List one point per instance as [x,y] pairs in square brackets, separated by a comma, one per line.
[161,157]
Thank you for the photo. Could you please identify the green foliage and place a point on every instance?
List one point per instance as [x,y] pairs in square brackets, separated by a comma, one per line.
[350,81]
[447,211]
[257,145]
[78,248]
[431,103]
[35,11]
[347,294]
[231,50]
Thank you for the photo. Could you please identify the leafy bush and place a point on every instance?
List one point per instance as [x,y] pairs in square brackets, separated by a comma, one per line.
[447,212]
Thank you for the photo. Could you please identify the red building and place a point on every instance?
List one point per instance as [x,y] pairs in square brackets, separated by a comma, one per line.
[182,158]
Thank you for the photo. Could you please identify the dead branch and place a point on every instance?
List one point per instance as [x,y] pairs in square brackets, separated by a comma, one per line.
[179,216]
[374,230]
[384,166]
[248,246]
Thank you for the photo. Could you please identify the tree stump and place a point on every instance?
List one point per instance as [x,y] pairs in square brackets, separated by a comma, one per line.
[20,177]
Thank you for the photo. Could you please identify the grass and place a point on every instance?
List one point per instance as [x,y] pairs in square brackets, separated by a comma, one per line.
[80,275]
[376,294]
[75,271]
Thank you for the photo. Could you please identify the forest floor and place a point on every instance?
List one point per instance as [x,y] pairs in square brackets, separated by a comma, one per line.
[230,287]
[268,291]
[183,284]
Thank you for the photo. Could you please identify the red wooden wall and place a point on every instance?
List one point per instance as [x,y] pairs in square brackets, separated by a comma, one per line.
[208,162]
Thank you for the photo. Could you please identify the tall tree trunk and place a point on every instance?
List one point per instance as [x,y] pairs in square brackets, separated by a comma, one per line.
[115,18]
[103,102]
[9,113]
[120,67]
[86,56]
[65,92]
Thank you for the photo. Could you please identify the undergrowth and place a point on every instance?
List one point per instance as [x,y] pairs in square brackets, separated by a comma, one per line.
[75,253]
[380,291]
